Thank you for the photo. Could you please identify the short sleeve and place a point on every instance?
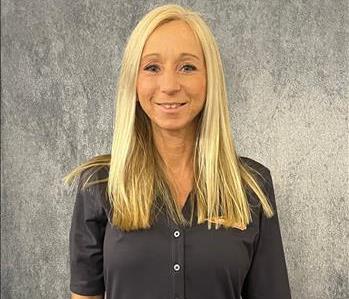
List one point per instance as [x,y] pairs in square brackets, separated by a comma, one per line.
[267,277]
[86,239]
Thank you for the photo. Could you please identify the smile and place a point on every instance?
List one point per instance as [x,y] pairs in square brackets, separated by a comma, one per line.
[171,107]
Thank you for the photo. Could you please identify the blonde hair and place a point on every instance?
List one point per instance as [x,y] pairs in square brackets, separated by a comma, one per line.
[136,171]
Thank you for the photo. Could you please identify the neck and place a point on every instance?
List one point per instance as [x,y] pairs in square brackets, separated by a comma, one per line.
[175,148]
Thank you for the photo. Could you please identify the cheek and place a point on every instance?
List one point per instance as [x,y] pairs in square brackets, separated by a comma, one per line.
[199,90]
[144,87]
[203,86]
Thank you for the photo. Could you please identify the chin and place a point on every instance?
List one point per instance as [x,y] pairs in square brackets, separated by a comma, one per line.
[170,127]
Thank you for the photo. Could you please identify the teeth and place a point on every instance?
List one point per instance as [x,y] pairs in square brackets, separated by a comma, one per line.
[170,106]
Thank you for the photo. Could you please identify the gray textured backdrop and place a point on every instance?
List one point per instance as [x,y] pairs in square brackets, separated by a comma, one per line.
[286,66]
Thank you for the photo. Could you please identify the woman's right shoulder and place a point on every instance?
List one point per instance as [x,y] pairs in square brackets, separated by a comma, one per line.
[93,183]
[94,169]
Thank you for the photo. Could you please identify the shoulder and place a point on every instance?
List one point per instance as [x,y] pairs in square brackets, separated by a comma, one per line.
[94,169]
[260,172]
[93,182]
[255,166]
[93,175]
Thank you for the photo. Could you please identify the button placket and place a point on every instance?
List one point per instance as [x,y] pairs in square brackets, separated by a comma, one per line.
[176,233]
[177,245]
[176,267]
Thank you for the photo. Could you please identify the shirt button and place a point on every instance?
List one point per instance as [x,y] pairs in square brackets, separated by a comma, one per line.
[176,234]
[176,267]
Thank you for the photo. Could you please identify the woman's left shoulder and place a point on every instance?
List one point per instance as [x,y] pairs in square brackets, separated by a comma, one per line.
[260,172]
[255,165]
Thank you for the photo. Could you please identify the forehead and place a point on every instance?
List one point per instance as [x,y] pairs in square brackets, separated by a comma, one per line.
[172,37]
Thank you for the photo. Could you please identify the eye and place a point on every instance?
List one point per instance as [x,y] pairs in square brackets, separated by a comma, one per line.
[193,68]
[149,67]
[153,67]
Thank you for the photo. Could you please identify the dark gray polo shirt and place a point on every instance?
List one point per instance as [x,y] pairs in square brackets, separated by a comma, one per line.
[174,262]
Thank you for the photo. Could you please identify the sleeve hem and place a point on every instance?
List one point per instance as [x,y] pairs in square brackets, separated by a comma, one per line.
[86,291]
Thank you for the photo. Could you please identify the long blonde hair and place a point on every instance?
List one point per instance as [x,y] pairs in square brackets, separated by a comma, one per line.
[136,171]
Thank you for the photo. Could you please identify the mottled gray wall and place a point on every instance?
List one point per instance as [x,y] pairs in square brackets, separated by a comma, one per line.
[286,66]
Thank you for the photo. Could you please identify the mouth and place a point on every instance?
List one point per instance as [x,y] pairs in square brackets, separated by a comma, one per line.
[173,107]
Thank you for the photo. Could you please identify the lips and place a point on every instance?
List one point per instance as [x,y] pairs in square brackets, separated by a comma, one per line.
[171,108]
[171,105]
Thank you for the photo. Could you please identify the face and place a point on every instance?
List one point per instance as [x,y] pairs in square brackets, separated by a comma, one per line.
[172,70]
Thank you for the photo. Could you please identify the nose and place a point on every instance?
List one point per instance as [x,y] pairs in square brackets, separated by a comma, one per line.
[169,82]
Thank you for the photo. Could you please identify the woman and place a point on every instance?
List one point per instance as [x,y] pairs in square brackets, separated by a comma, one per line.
[143,216]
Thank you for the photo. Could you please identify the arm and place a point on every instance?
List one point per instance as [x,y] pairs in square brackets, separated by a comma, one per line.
[76,296]
[86,239]
[267,277]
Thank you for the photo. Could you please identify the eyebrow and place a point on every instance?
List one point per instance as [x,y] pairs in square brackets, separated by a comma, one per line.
[181,55]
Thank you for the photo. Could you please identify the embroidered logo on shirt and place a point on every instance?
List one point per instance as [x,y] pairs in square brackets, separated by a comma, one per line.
[221,220]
